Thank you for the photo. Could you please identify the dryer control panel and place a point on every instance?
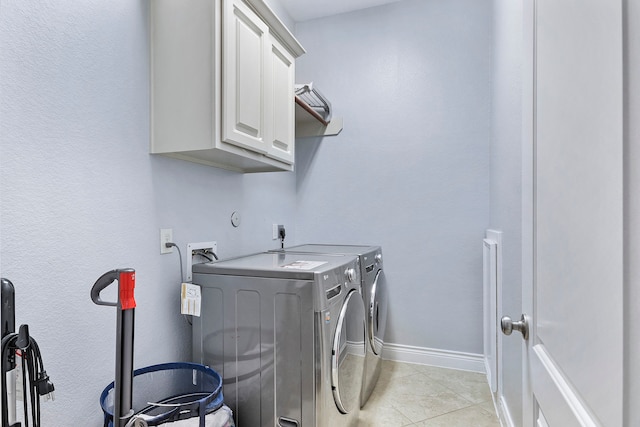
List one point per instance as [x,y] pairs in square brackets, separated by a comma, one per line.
[336,283]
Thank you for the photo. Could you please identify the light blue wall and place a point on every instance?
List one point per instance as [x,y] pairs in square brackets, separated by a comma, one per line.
[80,195]
[506,182]
[632,212]
[410,170]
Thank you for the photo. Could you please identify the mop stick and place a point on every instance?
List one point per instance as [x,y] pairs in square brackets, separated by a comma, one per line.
[123,384]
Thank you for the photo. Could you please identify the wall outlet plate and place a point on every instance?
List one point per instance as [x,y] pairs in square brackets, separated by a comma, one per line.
[211,246]
[166,236]
[275,233]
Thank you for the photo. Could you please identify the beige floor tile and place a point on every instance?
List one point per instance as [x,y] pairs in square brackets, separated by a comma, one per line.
[429,397]
[418,397]
[382,416]
[425,407]
[488,406]
[472,386]
[400,387]
[396,369]
[472,416]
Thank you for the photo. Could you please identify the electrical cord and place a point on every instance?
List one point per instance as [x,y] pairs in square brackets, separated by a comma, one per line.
[171,244]
[281,234]
[204,256]
[35,380]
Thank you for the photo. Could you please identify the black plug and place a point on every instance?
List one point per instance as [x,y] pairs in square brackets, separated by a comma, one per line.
[44,386]
[281,233]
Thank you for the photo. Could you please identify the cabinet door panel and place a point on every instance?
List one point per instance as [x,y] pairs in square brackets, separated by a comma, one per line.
[248,80]
[281,141]
[245,42]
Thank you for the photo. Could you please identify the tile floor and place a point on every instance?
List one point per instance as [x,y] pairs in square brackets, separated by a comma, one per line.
[425,396]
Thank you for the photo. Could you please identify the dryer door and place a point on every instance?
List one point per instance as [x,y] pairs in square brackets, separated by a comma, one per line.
[377,313]
[347,356]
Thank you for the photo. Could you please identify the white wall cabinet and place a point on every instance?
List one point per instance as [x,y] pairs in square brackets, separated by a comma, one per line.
[222,84]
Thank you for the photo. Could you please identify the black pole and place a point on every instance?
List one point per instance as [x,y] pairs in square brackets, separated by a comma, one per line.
[8,319]
[8,307]
[124,367]
[8,316]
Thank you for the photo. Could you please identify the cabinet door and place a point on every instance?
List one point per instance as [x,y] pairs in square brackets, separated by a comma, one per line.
[281,112]
[245,46]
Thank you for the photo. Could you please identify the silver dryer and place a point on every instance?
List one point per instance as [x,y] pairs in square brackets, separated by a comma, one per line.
[374,292]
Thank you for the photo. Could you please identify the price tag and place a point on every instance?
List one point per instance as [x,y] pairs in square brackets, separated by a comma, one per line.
[190,299]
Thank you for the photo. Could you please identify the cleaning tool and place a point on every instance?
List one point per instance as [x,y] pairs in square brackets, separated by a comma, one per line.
[35,381]
[126,304]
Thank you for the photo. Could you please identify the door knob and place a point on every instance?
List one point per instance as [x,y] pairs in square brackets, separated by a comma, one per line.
[521,325]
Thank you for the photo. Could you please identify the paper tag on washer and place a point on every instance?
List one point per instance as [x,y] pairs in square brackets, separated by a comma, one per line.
[190,299]
[304,265]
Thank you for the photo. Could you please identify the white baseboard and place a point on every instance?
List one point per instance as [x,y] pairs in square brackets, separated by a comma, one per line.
[503,413]
[434,357]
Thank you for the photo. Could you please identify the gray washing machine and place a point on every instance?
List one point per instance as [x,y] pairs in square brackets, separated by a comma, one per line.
[374,291]
[286,333]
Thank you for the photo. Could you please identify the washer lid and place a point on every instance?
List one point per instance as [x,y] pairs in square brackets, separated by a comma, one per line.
[277,265]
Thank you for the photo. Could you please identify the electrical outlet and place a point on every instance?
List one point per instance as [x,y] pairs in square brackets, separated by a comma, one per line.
[191,247]
[166,236]
[275,235]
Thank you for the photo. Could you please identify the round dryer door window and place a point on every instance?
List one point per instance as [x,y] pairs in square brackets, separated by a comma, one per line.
[377,313]
[347,357]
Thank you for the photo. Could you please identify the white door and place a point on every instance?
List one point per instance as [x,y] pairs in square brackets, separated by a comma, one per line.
[574,355]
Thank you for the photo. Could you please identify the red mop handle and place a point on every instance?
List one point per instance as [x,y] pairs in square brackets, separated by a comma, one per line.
[127,282]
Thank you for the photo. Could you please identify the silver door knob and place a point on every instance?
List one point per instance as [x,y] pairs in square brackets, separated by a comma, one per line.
[521,325]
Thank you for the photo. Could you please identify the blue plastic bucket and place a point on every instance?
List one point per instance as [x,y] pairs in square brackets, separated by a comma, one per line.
[170,392]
